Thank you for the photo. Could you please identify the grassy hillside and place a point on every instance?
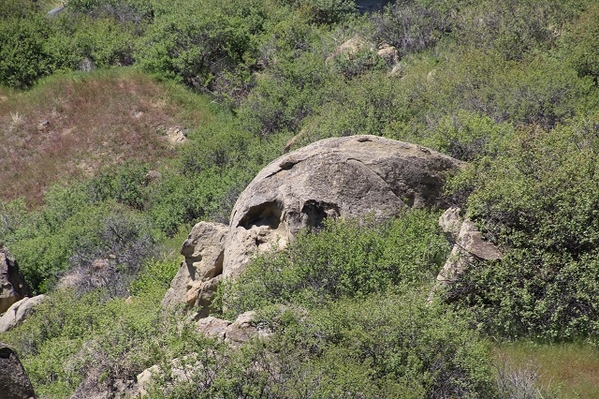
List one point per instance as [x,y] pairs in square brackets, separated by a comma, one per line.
[92,98]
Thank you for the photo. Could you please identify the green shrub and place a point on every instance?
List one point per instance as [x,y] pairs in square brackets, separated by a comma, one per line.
[24,55]
[208,47]
[103,42]
[74,341]
[71,233]
[539,201]
[119,10]
[412,26]
[384,345]
[580,44]
[126,185]
[346,259]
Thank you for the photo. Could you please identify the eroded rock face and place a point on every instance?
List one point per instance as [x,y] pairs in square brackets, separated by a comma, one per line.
[14,382]
[20,310]
[12,284]
[347,177]
[195,283]
[468,246]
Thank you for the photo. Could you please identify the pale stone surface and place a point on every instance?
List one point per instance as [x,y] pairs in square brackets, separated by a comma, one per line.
[348,177]
[469,245]
[20,310]
[234,333]
[195,281]
[14,382]
[350,48]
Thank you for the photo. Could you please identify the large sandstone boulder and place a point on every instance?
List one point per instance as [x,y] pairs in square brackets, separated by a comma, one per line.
[12,284]
[14,382]
[347,177]
[20,310]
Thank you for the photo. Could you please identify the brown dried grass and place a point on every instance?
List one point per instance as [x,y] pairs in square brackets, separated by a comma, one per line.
[69,127]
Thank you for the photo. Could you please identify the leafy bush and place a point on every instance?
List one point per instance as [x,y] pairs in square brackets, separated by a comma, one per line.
[539,201]
[208,47]
[120,10]
[383,346]
[580,44]
[102,42]
[326,11]
[24,56]
[512,28]
[80,342]
[126,185]
[344,260]
[72,233]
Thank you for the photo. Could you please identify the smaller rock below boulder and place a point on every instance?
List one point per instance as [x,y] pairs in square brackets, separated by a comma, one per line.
[14,382]
[20,310]
[12,284]
[468,246]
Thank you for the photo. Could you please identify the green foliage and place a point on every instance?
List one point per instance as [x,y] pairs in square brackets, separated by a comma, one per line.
[126,185]
[326,11]
[581,44]
[155,276]
[70,233]
[386,345]
[120,10]
[75,339]
[103,42]
[205,46]
[467,135]
[24,56]
[346,259]
[539,200]
[412,26]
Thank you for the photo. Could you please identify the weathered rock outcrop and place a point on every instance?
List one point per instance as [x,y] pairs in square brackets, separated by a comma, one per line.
[17,313]
[14,382]
[12,284]
[195,283]
[468,246]
[347,177]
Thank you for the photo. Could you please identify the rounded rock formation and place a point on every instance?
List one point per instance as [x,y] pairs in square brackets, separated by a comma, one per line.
[347,177]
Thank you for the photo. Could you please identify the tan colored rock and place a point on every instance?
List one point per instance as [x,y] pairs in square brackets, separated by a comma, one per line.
[19,311]
[213,327]
[388,53]
[12,284]
[350,48]
[195,280]
[14,382]
[469,245]
[347,177]
[234,333]
[175,136]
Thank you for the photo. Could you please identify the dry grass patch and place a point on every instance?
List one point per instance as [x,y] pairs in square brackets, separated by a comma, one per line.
[70,126]
[569,370]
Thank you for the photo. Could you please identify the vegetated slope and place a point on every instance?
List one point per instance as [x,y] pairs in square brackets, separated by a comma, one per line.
[510,86]
[70,127]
